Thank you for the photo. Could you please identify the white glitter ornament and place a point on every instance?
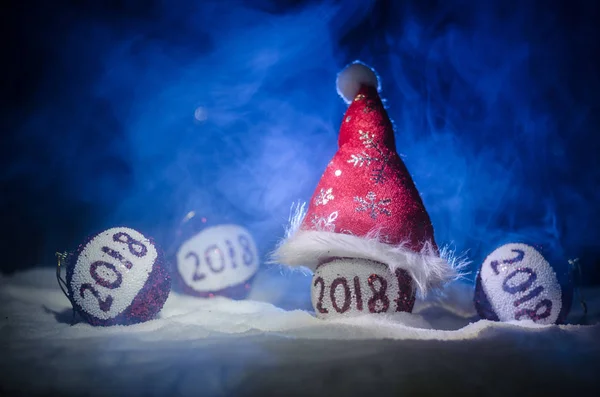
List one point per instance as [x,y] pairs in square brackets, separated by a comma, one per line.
[352,287]
[515,282]
[117,277]
[220,260]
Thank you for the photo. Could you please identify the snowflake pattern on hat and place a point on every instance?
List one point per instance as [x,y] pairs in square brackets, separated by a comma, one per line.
[325,223]
[366,204]
[324,196]
[367,183]
[380,157]
[372,206]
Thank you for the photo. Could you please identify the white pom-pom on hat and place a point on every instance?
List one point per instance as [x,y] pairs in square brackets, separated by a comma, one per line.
[350,79]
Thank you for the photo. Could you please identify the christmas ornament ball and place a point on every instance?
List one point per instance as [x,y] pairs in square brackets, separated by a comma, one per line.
[515,282]
[219,260]
[118,277]
[353,287]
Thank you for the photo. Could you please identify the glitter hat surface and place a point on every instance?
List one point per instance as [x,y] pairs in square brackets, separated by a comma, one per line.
[366,204]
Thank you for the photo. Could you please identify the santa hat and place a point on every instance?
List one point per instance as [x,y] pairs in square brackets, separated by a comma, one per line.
[366,204]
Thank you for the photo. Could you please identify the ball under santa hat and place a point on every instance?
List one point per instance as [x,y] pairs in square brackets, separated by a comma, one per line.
[366,233]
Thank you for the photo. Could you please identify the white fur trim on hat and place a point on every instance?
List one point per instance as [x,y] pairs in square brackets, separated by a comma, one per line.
[309,248]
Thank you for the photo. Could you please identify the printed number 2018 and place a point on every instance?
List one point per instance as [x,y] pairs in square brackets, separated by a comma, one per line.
[379,302]
[533,314]
[247,257]
[135,247]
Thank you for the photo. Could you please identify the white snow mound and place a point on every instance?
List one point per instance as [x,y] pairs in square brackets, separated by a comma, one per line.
[224,347]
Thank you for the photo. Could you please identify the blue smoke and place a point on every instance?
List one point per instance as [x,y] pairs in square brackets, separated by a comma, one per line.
[228,109]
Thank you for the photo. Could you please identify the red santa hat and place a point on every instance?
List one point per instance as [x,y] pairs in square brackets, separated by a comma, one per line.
[366,204]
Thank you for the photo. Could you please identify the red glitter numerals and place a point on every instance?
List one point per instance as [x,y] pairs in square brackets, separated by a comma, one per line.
[533,314]
[231,252]
[197,274]
[406,296]
[105,274]
[532,276]
[320,308]
[379,294]
[523,286]
[529,296]
[104,304]
[248,256]
[332,294]
[209,261]
[135,247]
[102,280]
[358,294]
[118,278]
[217,259]
[342,294]
[520,255]
[117,255]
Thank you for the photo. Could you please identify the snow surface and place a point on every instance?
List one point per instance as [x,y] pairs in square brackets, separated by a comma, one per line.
[201,347]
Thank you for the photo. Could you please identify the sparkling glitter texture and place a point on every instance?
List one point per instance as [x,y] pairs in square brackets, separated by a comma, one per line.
[516,282]
[118,277]
[379,216]
[354,287]
[367,183]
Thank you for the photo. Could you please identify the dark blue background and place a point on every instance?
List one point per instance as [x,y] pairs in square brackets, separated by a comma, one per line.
[496,106]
